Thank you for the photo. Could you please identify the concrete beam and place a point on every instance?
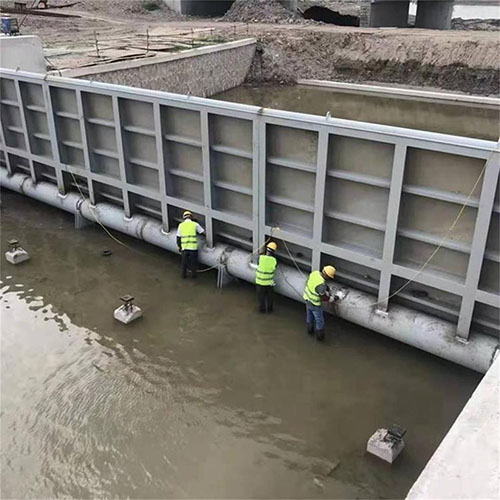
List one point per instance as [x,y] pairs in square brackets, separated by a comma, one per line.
[435,15]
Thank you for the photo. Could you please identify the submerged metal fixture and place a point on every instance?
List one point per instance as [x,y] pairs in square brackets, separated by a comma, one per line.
[127,302]
[13,245]
[15,254]
[128,311]
[395,432]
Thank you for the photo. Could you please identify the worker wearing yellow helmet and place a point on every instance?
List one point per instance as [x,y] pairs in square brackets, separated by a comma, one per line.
[187,242]
[264,278]
[316,291]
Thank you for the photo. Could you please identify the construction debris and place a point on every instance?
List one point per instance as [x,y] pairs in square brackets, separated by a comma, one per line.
[261,11]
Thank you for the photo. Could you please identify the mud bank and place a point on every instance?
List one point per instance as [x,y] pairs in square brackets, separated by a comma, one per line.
[466,62]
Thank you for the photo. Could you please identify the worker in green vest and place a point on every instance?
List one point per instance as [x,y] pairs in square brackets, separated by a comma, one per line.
[264,278]
[187,242]
[316,292]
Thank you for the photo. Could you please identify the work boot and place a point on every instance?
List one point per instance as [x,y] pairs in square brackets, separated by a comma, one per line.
[320,335]
[310,328]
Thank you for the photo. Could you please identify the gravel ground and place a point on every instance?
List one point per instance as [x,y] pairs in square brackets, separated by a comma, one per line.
[144,9]
[123,8]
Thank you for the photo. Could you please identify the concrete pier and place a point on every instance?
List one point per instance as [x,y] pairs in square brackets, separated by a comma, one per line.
[434,15]
[389,14]
[431,14]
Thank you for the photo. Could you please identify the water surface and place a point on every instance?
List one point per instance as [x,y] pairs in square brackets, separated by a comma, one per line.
[455,119]
[202,397]
[470,11]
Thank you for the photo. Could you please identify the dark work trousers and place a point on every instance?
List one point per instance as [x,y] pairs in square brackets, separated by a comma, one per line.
[189,262]
[265,298]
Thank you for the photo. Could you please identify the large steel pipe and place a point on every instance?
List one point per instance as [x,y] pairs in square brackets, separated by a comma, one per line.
[414,328]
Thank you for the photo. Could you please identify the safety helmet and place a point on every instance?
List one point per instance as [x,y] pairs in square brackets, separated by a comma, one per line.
[329,271]
[187,213]
[272,246]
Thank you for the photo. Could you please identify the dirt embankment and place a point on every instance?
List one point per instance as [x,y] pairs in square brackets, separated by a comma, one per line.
[260,11]
[467,62]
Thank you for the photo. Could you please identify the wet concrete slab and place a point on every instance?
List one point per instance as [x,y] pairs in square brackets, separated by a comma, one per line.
[200,398]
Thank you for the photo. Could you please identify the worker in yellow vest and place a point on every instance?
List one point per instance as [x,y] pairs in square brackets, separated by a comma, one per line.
[316,292]
[187,242]
[264,278]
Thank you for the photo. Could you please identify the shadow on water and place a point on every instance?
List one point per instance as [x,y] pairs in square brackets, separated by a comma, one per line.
[202,397]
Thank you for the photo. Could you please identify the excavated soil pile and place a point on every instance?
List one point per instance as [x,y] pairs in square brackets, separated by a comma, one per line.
[123,8]
[467,62]
[260,11]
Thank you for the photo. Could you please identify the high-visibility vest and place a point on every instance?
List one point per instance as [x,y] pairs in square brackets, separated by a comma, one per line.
[189,238]
[310,294]
[265,270]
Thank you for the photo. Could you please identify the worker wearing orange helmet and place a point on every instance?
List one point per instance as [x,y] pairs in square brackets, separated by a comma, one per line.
[187,242]
[316,292]
[264,278]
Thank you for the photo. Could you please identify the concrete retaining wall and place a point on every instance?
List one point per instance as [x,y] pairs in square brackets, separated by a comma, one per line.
[466,464]
[24,53]
[202,72]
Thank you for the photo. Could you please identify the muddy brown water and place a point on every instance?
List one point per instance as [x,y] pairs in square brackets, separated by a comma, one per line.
[454,119]
[202,397]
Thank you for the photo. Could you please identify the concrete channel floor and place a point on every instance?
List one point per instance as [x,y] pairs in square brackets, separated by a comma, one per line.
[202,397]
